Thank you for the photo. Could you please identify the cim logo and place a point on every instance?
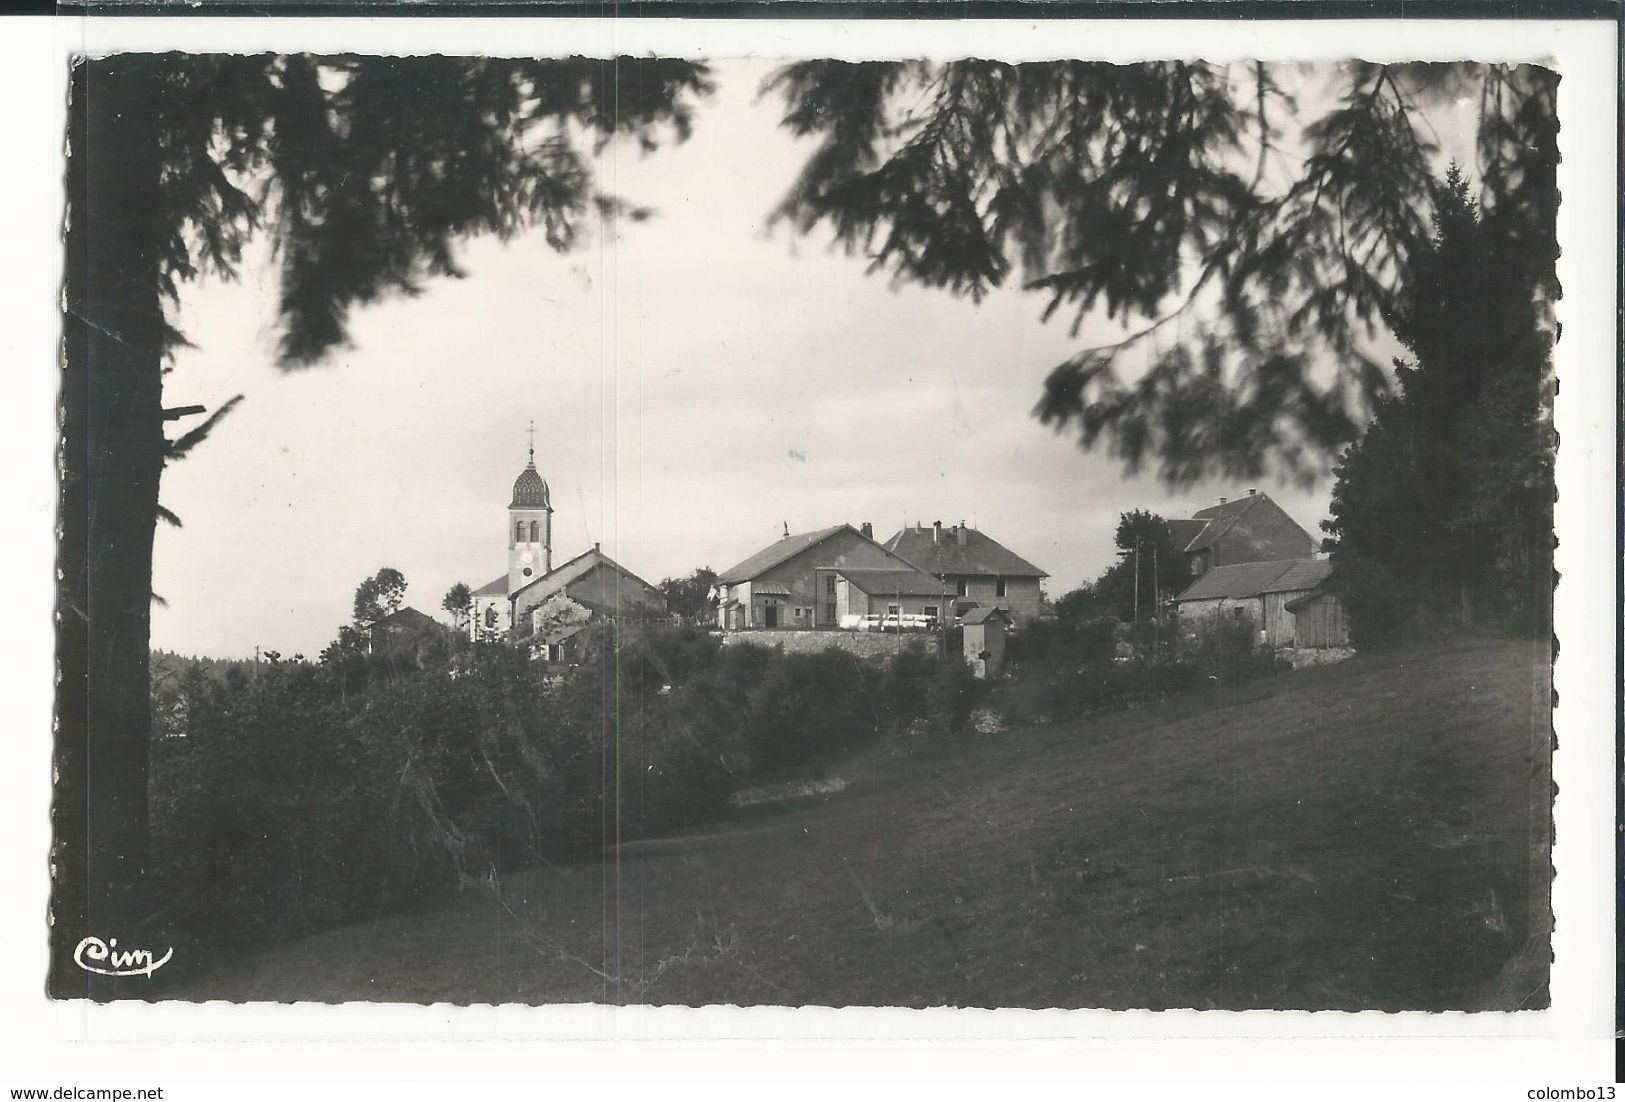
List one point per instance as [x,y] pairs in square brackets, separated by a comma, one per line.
[105,958]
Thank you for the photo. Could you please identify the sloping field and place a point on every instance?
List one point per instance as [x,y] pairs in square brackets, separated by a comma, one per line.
[1372,835]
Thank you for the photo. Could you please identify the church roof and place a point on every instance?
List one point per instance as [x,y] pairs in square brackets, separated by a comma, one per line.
[580,566]
[495,585]
[529,491]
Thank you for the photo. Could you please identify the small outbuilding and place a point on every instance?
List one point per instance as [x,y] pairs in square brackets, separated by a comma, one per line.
[984,640]
[1319,619]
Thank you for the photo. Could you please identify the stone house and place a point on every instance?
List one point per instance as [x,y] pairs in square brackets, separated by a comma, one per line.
[976,569]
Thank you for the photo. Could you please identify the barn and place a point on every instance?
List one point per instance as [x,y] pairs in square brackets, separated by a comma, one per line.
[1258,592]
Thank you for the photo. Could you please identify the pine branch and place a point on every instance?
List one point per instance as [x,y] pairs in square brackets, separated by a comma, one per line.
[179,448]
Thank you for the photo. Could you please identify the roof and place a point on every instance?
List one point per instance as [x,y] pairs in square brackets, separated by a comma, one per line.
[775,553]
[569,631]
[529,491]
[408,619]
[981,554]
[498,585]
[1184,531]
[1215,521]
[1251,579]
[1313,595]
[403,630]
[980,615]
[1302,574]
[578,567]
[879,582]
[1219,519]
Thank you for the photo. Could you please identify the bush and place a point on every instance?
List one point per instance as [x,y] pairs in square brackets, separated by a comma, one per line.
[305,796]
[1381,607]
[291,803]
[1226,649]
[1063,642]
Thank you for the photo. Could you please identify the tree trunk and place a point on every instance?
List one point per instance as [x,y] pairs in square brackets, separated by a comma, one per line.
[111,459]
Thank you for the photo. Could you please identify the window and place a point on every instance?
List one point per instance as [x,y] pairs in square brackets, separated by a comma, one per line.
[519,532]
[829,584]
[998,588]
[891,610]
[961,585]
[536,532]
[930,612]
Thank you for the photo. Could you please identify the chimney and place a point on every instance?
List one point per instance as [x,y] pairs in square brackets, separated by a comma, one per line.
[936,531]
[1252,490]
[1222,500]
[867,529]
[961,533]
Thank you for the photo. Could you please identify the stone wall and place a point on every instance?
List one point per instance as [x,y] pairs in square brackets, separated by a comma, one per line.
[864,644]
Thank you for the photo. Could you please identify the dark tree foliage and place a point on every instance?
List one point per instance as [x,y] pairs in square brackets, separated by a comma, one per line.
[1254,253]
[459,601]
[365,173]
[1444,505]
[690,596]
[1078,605]
[1145,550]
[379,595]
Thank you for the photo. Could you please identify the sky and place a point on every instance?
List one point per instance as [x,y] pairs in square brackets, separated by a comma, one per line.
[699,381]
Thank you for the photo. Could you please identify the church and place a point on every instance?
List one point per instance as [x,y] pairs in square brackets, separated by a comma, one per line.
[546,605]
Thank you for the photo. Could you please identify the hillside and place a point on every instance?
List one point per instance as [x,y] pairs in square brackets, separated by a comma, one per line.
[1363,836]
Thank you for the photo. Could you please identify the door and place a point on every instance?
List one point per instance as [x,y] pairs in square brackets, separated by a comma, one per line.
[770,614]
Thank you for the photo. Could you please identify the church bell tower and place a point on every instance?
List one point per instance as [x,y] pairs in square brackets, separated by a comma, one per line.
[530,525]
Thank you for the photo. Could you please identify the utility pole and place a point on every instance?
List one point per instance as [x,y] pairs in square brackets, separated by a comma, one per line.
[1156,585]
[1136,579]
[1156,607]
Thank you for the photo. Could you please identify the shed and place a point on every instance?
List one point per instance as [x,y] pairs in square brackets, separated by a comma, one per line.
[984,640]
[1319,619]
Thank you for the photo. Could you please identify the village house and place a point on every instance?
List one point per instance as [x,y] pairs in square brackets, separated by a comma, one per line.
[1247,529]
[976,569]
[1269,595]
[814,579]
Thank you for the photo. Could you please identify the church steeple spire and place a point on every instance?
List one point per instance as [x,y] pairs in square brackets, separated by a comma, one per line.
[530,522]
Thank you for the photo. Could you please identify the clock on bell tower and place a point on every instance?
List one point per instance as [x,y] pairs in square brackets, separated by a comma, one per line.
[530,526]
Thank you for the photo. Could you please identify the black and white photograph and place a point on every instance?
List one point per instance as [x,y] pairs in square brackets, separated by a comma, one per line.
[761,528]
